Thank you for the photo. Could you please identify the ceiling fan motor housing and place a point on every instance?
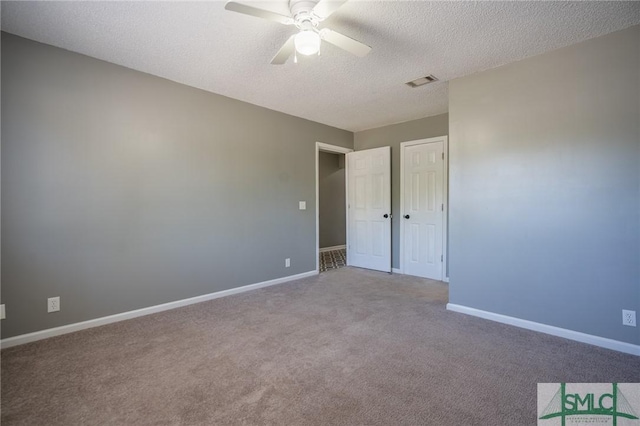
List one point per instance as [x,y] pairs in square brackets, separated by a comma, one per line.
[302,12]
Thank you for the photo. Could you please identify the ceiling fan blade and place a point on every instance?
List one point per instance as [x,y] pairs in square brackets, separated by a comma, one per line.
[285,51]
[325,8]
[259,13]
[344,42]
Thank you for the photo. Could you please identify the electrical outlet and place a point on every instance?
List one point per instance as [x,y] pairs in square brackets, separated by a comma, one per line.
[629,318]
[287,262]
[3,314]
[53,304]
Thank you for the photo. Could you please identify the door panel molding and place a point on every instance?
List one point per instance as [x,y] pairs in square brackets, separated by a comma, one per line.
[445,199]
[369,209]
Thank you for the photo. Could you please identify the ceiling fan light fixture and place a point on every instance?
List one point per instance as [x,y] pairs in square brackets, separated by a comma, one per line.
[307,42]
[306,16]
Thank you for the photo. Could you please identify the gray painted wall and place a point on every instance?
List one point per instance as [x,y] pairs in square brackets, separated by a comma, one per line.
[121,190]
[392,136]
[545,187]
[332,208]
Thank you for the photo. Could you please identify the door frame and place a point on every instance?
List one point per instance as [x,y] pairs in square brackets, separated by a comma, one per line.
[445,200]
[333,149]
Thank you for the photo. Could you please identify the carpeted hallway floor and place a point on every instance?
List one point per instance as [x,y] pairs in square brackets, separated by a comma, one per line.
[346,347]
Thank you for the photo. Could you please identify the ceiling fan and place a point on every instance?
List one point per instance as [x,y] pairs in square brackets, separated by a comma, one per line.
[306,16]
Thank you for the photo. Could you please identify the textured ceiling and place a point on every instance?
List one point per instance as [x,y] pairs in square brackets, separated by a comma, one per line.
[202,45]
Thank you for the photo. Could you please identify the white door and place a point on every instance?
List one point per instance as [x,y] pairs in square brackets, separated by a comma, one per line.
[422,208]
[369,206]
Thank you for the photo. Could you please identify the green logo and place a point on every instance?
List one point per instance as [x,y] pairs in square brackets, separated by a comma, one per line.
[613,404]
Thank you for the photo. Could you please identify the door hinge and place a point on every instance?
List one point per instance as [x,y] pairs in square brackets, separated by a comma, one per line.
[442,258]
[442,207]
[443,155]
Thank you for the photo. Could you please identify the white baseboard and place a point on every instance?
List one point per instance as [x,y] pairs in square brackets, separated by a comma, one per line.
[603,342]
[70,328]
[323,249]
[445,279]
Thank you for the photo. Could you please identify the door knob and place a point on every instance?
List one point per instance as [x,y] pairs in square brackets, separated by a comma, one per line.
[385,216]
[406,216]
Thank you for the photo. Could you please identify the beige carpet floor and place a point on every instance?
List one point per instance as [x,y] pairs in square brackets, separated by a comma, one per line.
[346,347]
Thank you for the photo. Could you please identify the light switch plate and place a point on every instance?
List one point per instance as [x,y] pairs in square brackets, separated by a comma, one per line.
[303,205]
[3,315]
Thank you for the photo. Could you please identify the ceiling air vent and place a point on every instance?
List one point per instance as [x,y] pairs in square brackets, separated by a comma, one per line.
[421,81]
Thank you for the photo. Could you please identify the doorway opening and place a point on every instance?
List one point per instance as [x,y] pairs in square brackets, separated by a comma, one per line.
[331,210]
